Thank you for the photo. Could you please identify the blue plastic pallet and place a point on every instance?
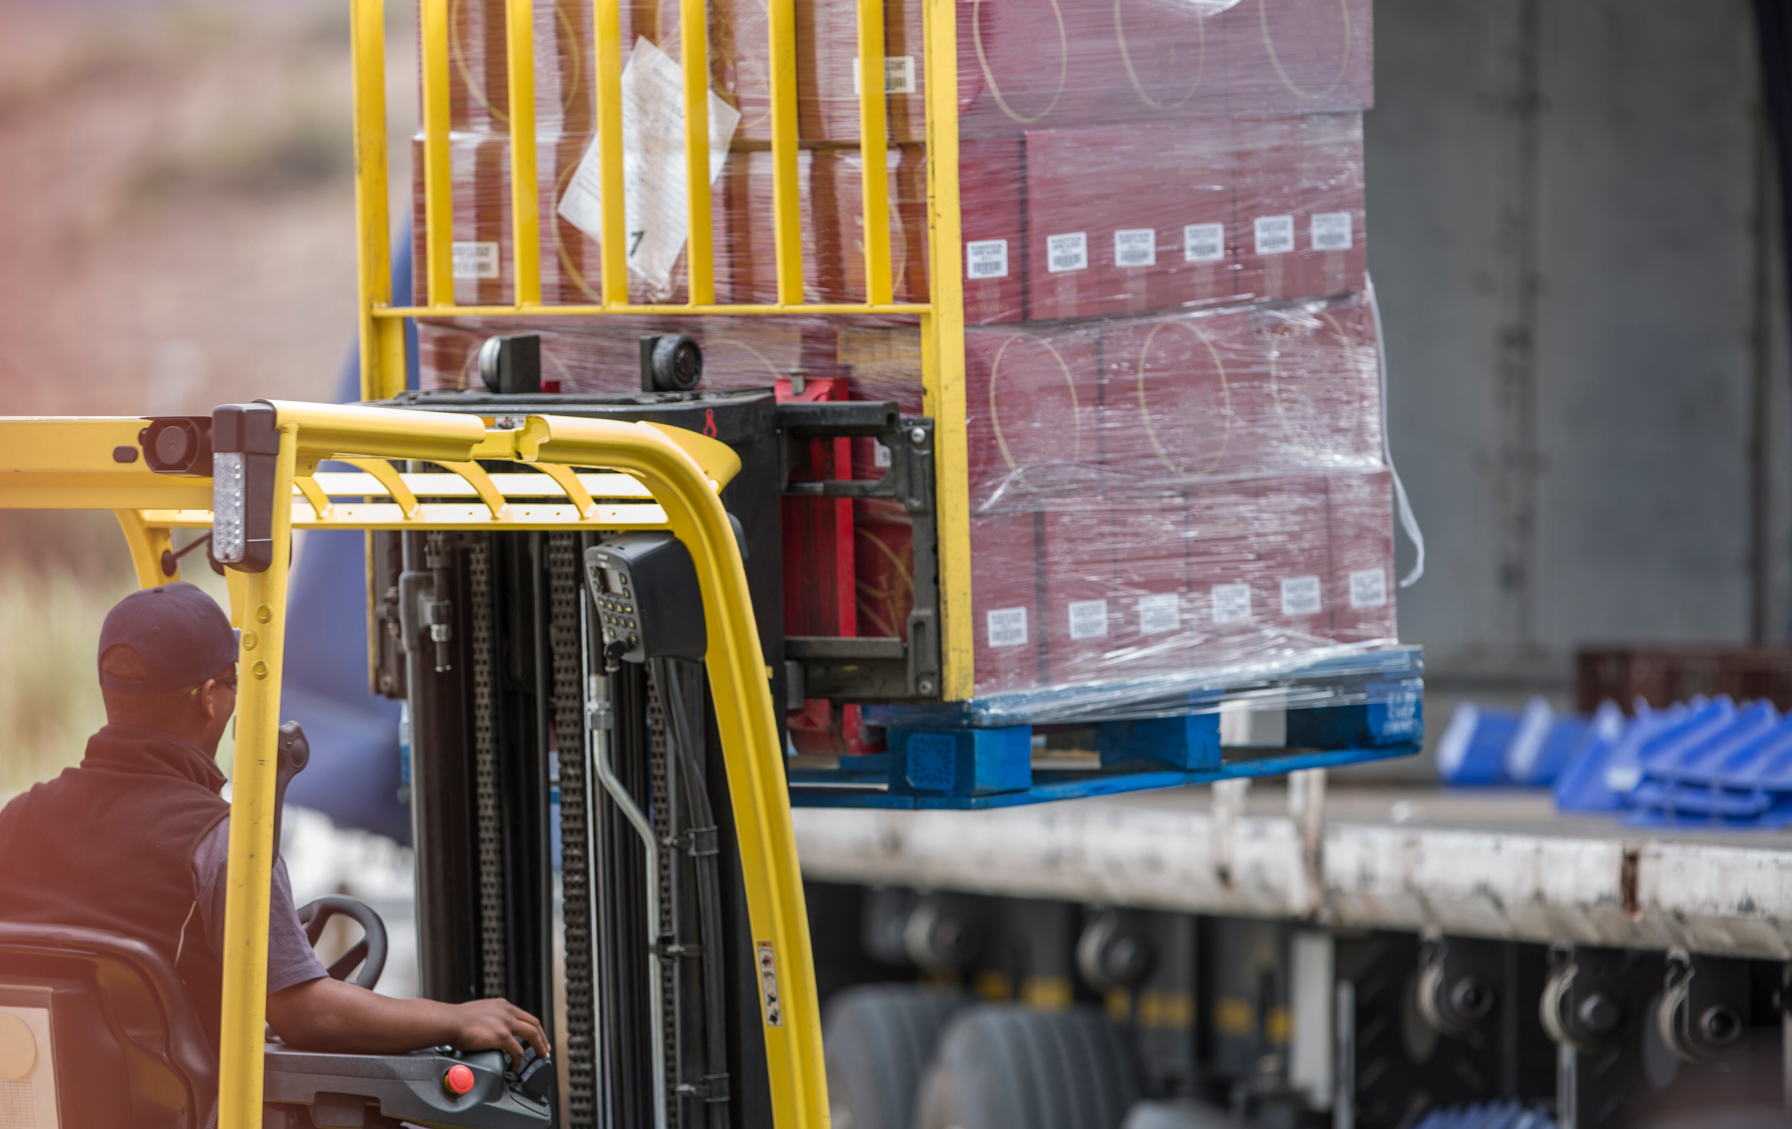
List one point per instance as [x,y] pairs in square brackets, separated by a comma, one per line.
[956,758]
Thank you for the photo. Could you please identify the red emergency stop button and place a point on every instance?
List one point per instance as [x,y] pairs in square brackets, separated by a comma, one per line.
[458,1080]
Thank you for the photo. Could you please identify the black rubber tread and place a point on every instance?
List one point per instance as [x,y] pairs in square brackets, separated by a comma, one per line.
[879,1039]
[1003,1066]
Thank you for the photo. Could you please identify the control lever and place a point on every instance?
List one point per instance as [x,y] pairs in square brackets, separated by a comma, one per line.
[294,753]
[533,1077]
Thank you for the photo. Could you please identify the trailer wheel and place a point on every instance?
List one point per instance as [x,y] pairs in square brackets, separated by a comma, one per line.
[1006,1067]
[879,1038]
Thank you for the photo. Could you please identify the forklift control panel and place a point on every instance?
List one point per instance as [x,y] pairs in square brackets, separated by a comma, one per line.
[440,1087]
[644,588]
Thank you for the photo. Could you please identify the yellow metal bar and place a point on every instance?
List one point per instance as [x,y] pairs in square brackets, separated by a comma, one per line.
[909,308]
[569,483]
[525,220]
[314,494]
[372,226]
[482,484]
[339,484]
[787,229]
[942,356]
[448,515]
[748,728]
[438,167]
[148,543]
[389,433]
[252,820]
[614,220]
[879,283]
[388,477]
[700,252]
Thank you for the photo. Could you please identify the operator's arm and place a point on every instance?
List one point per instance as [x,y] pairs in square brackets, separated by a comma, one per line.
[330,1015]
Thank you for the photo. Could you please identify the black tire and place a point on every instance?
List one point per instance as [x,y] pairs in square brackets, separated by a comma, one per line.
[879,1039]
[1006,1067]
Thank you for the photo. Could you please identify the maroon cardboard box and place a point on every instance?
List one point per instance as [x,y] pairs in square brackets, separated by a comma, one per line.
[1031,415]
[1225,565]
[1006,648]
[990,174]
[1314,395]
[1300,226]
[1153,630]
[1069,184]
[1171,403]
[1294,544]
[1362,547]
[1299,56]
[1080,600]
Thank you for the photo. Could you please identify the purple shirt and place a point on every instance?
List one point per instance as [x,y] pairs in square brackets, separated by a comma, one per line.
[290,957]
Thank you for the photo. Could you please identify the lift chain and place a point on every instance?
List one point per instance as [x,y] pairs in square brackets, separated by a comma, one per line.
[579,1052]
[485,772]
[664,814]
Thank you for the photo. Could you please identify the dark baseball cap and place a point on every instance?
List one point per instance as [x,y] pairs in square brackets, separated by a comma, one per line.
[181,632]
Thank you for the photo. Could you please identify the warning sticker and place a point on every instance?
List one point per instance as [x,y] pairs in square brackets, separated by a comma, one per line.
[986,258]
[768,984]
[1069,251]
[1275,235]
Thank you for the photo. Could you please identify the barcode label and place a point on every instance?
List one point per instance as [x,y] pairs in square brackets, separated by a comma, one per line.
[880,454]
[1231,603]
[1331,231]
[1158,614]
[475,260]
[1300,596]
[1275,235]
[986,258]
[899,75]
[1088,619]
[1369,588]
[1204,242]
[1008,627]
[1135,247]
[1067,252]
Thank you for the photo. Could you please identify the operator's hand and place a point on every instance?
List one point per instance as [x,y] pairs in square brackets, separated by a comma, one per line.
[498,1025]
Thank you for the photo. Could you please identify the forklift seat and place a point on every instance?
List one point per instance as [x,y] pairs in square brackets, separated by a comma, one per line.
[97,1030]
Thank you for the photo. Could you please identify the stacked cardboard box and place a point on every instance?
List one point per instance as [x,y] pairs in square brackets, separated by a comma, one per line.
[1172,404]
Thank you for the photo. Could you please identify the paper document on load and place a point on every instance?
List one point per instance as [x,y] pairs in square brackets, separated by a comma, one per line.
[655,201]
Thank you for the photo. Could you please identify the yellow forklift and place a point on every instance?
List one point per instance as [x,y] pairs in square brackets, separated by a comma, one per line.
[645,708]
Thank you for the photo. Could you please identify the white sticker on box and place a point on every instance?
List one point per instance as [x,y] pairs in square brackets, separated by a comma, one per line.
[899,75]
[1158,614]
[1007,627]
[1231,603]
[1135,247]
[1275,235]
[476,260]
[986,258]
[1204,242]
[1300,596]
[1331,231]
[880,454]
[1088,619]
[1369,588]
[1069,251]
[656,221]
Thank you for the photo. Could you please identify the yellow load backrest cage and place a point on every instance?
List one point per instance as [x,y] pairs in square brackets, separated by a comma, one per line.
[941,317]
[651,478]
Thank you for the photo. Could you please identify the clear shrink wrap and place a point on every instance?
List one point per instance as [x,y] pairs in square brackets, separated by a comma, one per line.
[1173,419]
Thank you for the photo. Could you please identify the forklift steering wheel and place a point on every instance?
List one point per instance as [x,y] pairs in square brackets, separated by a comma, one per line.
[369,951]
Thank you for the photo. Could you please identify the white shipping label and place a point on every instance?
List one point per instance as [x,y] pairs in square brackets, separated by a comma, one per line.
[476,260]
[1158,614]
[899,75]
[1300,596]
[1067,252]
[1008,627]
[1204,242]
[880,454]
[1331,231]
[1231,603]
[655,220]
[1088,619]
[986,258]
[1369,588]
[1135,247]
[1275,235]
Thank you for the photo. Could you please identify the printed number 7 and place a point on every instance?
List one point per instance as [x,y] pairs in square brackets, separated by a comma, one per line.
[634,245]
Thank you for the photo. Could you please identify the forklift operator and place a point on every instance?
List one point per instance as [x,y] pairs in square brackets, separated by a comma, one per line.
[135,841]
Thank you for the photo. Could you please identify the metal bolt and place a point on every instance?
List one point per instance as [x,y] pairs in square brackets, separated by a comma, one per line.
[260,669]
[264,613]
[1599,1014]
[248,640]
[925,685]
[1720,1025]
[917,435]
